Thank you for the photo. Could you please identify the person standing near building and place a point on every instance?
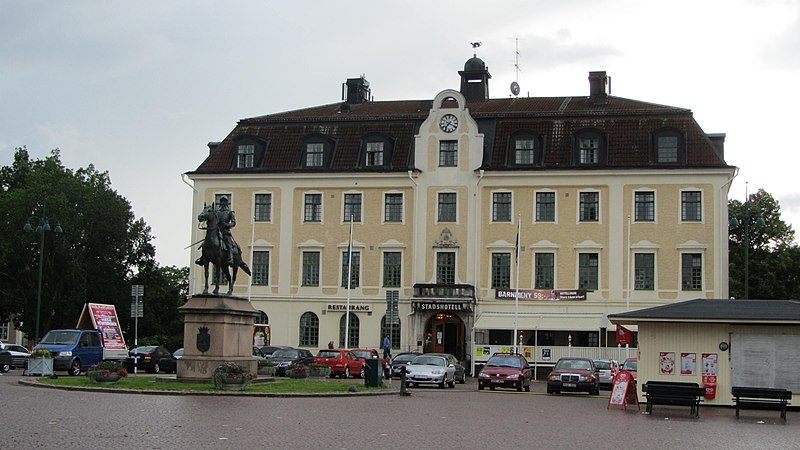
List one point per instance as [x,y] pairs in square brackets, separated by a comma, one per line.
[387,347]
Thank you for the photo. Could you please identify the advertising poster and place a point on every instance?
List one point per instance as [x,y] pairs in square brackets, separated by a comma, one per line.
[688,363]
[105,320]
[709,364]
[666,363]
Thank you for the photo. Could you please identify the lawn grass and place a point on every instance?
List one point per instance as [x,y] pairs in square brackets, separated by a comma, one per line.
[279,386]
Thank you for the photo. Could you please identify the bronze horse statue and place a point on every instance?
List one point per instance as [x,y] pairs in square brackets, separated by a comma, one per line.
[214,251]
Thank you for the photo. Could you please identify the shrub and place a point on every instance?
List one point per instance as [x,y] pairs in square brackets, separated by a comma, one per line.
[231,371]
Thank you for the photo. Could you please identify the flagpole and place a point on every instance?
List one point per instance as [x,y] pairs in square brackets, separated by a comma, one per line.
[628,294]
[252,252]
[349,281]
[516,282]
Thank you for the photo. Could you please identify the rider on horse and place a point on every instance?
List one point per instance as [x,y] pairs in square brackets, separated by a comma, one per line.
[226,220]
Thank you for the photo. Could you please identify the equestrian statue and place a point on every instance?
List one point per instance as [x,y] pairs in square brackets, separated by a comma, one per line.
[219,247]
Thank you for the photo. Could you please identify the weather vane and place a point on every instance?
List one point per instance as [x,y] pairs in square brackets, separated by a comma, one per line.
[474,46]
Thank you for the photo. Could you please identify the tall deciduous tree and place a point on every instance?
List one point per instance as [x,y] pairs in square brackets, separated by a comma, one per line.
[774,258]
[93,260]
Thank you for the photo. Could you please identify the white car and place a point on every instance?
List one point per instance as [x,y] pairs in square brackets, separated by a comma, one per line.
[431,369]
[19,356]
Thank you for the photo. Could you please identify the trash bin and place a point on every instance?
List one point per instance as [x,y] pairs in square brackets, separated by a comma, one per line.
[372,373]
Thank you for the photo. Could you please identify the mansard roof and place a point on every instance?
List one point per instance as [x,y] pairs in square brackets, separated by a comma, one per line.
[627,124]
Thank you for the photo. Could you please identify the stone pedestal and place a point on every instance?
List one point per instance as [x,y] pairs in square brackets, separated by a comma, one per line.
[216,329]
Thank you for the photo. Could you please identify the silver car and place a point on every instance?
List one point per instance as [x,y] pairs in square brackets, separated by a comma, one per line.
[606,370]
[431,369]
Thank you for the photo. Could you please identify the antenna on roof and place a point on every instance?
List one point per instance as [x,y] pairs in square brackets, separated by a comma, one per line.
[515,84]
[475,45]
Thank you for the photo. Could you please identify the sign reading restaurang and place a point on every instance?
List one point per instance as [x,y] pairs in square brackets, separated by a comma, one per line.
[542,294]
[353,307]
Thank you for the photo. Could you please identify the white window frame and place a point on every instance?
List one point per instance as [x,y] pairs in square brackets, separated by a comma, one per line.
[555,205]
[321,207]
[510,210]
[270,211]
[702,205]
[437,206]
[402,207]
[360,218]
[655,204]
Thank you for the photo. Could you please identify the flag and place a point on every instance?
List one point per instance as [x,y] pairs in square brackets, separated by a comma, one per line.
[624,336]
[516,244]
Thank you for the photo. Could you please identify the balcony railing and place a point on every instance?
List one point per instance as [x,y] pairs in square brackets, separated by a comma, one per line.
[445,291]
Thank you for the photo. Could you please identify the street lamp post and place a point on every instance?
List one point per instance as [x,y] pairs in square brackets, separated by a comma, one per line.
[760,224]
[42,226]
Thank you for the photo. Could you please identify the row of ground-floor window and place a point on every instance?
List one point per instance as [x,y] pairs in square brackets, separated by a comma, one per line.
[446,332]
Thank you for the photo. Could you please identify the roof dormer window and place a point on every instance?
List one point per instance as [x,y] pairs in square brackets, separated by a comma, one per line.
[524,149]
[249,152]
[245,156]
[590,148]
[374,156]
[317,152]
[668,146]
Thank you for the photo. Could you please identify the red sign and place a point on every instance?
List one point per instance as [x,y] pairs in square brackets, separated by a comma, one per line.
[541,294]
[623,391]
[104,318]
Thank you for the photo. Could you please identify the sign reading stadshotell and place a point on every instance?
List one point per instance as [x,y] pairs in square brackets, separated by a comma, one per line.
[541,294]
[343,307]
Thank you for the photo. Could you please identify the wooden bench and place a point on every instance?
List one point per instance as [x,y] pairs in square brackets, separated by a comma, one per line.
[761,398]
[673,393]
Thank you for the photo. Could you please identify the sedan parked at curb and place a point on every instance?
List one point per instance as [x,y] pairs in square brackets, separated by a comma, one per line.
[431,369]
[151,359]
[285,357]
[343,363]
[505,371]
[461,371]
[19,355]
[575,375]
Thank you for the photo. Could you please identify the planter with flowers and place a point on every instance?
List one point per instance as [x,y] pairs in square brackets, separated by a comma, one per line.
[319,370]
[231,377]
[266,368]
[40,363]
[298,371]
[107,372]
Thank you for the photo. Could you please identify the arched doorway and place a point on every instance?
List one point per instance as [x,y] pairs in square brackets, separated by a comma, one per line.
[447,334]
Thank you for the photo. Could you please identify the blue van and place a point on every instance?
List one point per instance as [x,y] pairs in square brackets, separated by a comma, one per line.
[73,350]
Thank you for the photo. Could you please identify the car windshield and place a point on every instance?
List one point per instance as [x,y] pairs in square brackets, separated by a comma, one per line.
[429,360]
[324,354]
[60,337]
[580,364]
[148,349]
[178,352]
[602,365]
[630,365]
[363,354]
[503,361]
[403,358]
[285,353]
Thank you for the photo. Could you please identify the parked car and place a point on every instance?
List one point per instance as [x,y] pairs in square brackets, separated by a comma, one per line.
[461,371]
[285,357]
[258,354]
[431,369]
[606,370]
[371,353]
[630,365]
[505,371]
[151,359]
[75,350]
[178,354]
[573,374]
[400,360]
[343,363]
[19,355]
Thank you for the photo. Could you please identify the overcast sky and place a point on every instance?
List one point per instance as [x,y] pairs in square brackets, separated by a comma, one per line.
[138,88]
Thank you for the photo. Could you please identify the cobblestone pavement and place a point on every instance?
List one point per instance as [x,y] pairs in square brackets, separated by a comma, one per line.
[430,418]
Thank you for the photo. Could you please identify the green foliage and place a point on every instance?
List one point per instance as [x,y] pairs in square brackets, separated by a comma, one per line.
[773,257]
[231,372]
[41,353]
[104,368]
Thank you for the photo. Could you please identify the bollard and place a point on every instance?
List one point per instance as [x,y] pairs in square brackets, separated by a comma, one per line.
[403,390]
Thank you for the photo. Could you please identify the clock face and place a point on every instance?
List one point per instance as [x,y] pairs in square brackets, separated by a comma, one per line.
[449,123]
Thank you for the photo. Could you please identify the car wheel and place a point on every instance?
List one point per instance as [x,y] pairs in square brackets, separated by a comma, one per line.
[463,378]
[452,384]
[75,368]
[441,385]
[362,373]
[156,368]
[519,387]
[528,388]
[5,368]
[346,372]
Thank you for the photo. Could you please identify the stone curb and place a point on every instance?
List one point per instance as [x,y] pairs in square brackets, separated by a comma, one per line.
[35,383]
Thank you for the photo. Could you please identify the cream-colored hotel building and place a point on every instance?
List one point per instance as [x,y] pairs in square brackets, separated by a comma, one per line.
[620,205]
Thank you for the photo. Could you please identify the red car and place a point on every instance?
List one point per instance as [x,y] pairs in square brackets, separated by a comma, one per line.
[505,371]
[342,362]
[370,353]
[630,365]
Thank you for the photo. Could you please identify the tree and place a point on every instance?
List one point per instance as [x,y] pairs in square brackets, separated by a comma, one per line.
[774,258]
[93,260]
